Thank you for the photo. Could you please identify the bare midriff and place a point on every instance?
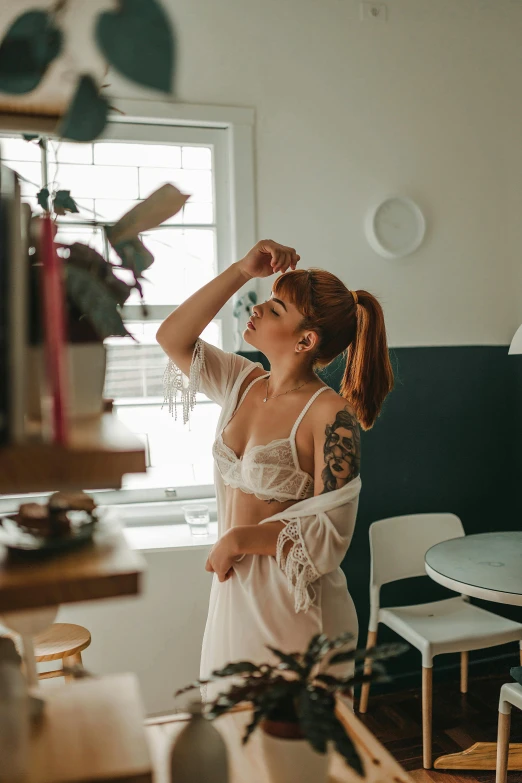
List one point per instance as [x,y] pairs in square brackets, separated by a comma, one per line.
[245,509]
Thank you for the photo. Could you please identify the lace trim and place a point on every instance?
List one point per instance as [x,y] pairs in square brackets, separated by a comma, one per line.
[297,565]
[256,469]
[174,382]
[268,495]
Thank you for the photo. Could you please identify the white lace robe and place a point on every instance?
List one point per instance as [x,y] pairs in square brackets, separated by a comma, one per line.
[281,601]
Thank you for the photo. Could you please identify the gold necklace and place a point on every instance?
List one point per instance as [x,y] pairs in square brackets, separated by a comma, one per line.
[282,393]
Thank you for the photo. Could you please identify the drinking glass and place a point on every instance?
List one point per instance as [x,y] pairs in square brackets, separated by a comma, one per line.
[197,518]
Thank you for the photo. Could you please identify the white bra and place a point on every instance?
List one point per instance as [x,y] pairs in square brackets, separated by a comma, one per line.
[271,471]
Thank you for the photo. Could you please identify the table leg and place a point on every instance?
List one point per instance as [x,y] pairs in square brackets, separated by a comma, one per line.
[480,756]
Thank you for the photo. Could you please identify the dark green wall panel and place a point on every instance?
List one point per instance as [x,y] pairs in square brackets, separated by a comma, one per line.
[448,439]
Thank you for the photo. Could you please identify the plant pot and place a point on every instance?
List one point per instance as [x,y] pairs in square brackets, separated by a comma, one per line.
[87,363]
[289,758]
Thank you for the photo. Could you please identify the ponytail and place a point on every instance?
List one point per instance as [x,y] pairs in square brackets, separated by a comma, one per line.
[325,303]
[368,376]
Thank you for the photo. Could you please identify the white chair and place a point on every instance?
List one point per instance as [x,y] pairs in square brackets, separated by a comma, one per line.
[398,546]
[510,693]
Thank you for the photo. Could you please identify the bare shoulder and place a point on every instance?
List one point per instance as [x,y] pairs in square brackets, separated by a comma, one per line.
[255,373]
[337,442]
[327,407]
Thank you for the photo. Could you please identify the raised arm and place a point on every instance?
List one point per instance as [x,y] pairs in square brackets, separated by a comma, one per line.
[180,330]
[178,333]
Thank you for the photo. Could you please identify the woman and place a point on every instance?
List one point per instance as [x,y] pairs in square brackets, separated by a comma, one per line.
[287,450]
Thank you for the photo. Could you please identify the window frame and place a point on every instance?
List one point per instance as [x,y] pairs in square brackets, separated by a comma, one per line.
[235,210]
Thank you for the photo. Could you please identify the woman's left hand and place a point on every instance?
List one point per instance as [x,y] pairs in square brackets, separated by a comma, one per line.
[222,556]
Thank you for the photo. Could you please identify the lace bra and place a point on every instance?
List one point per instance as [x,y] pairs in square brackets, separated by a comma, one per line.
[271,471]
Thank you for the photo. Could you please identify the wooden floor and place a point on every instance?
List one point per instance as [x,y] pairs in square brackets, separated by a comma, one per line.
[458,722]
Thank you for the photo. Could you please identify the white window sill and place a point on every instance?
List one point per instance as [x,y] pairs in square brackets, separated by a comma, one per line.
[166,513]
[161,538]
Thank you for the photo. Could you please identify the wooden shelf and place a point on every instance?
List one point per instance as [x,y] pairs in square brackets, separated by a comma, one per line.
[91,730]
[104,569]
[100,452]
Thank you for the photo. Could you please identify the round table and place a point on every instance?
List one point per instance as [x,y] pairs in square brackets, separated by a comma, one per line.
[487,566]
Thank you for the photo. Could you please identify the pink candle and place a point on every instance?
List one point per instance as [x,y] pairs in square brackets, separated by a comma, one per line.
[54,328]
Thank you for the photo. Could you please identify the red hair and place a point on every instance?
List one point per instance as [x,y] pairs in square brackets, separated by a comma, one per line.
[330,310]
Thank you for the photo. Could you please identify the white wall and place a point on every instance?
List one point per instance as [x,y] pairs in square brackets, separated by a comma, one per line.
[425,104]
[158,634]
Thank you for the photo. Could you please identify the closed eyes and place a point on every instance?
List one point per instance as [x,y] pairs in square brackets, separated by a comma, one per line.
[272,309]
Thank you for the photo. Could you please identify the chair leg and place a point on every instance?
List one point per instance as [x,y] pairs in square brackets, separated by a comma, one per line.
[520,651]
[71,660]
[427,700]
[365,689]
[504,722]
[464,672]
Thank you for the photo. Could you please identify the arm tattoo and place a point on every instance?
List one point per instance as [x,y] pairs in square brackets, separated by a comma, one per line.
[342,451]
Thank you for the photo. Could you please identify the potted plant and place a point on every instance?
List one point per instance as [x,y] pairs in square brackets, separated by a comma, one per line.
[95,292]
[39,85]
[294,703]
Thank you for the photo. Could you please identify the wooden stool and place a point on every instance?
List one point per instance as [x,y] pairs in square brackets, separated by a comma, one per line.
[61,641]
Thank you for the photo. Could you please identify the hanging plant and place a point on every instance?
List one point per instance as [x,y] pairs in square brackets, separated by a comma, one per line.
[30,45]
[136,39]
[63,202]
[138,26]
[43,199]
[87,115]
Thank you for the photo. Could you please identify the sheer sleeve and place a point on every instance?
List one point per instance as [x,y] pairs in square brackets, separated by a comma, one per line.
[212,371]
[318,544]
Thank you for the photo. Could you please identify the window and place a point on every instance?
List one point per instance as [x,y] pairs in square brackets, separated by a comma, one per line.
[106,178]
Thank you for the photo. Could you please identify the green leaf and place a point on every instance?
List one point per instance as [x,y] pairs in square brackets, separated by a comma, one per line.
[348,655]
[345,747]
[134,255]
[311,709]
[87,114]
[30,45]
[252,296]
[88,258]
[92,298]
[137,39]
[43,198]
[381,653]
[329,680]
[288,661]
[30,136]
[320,645]
[241,667]
[258,715]
[63,202]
